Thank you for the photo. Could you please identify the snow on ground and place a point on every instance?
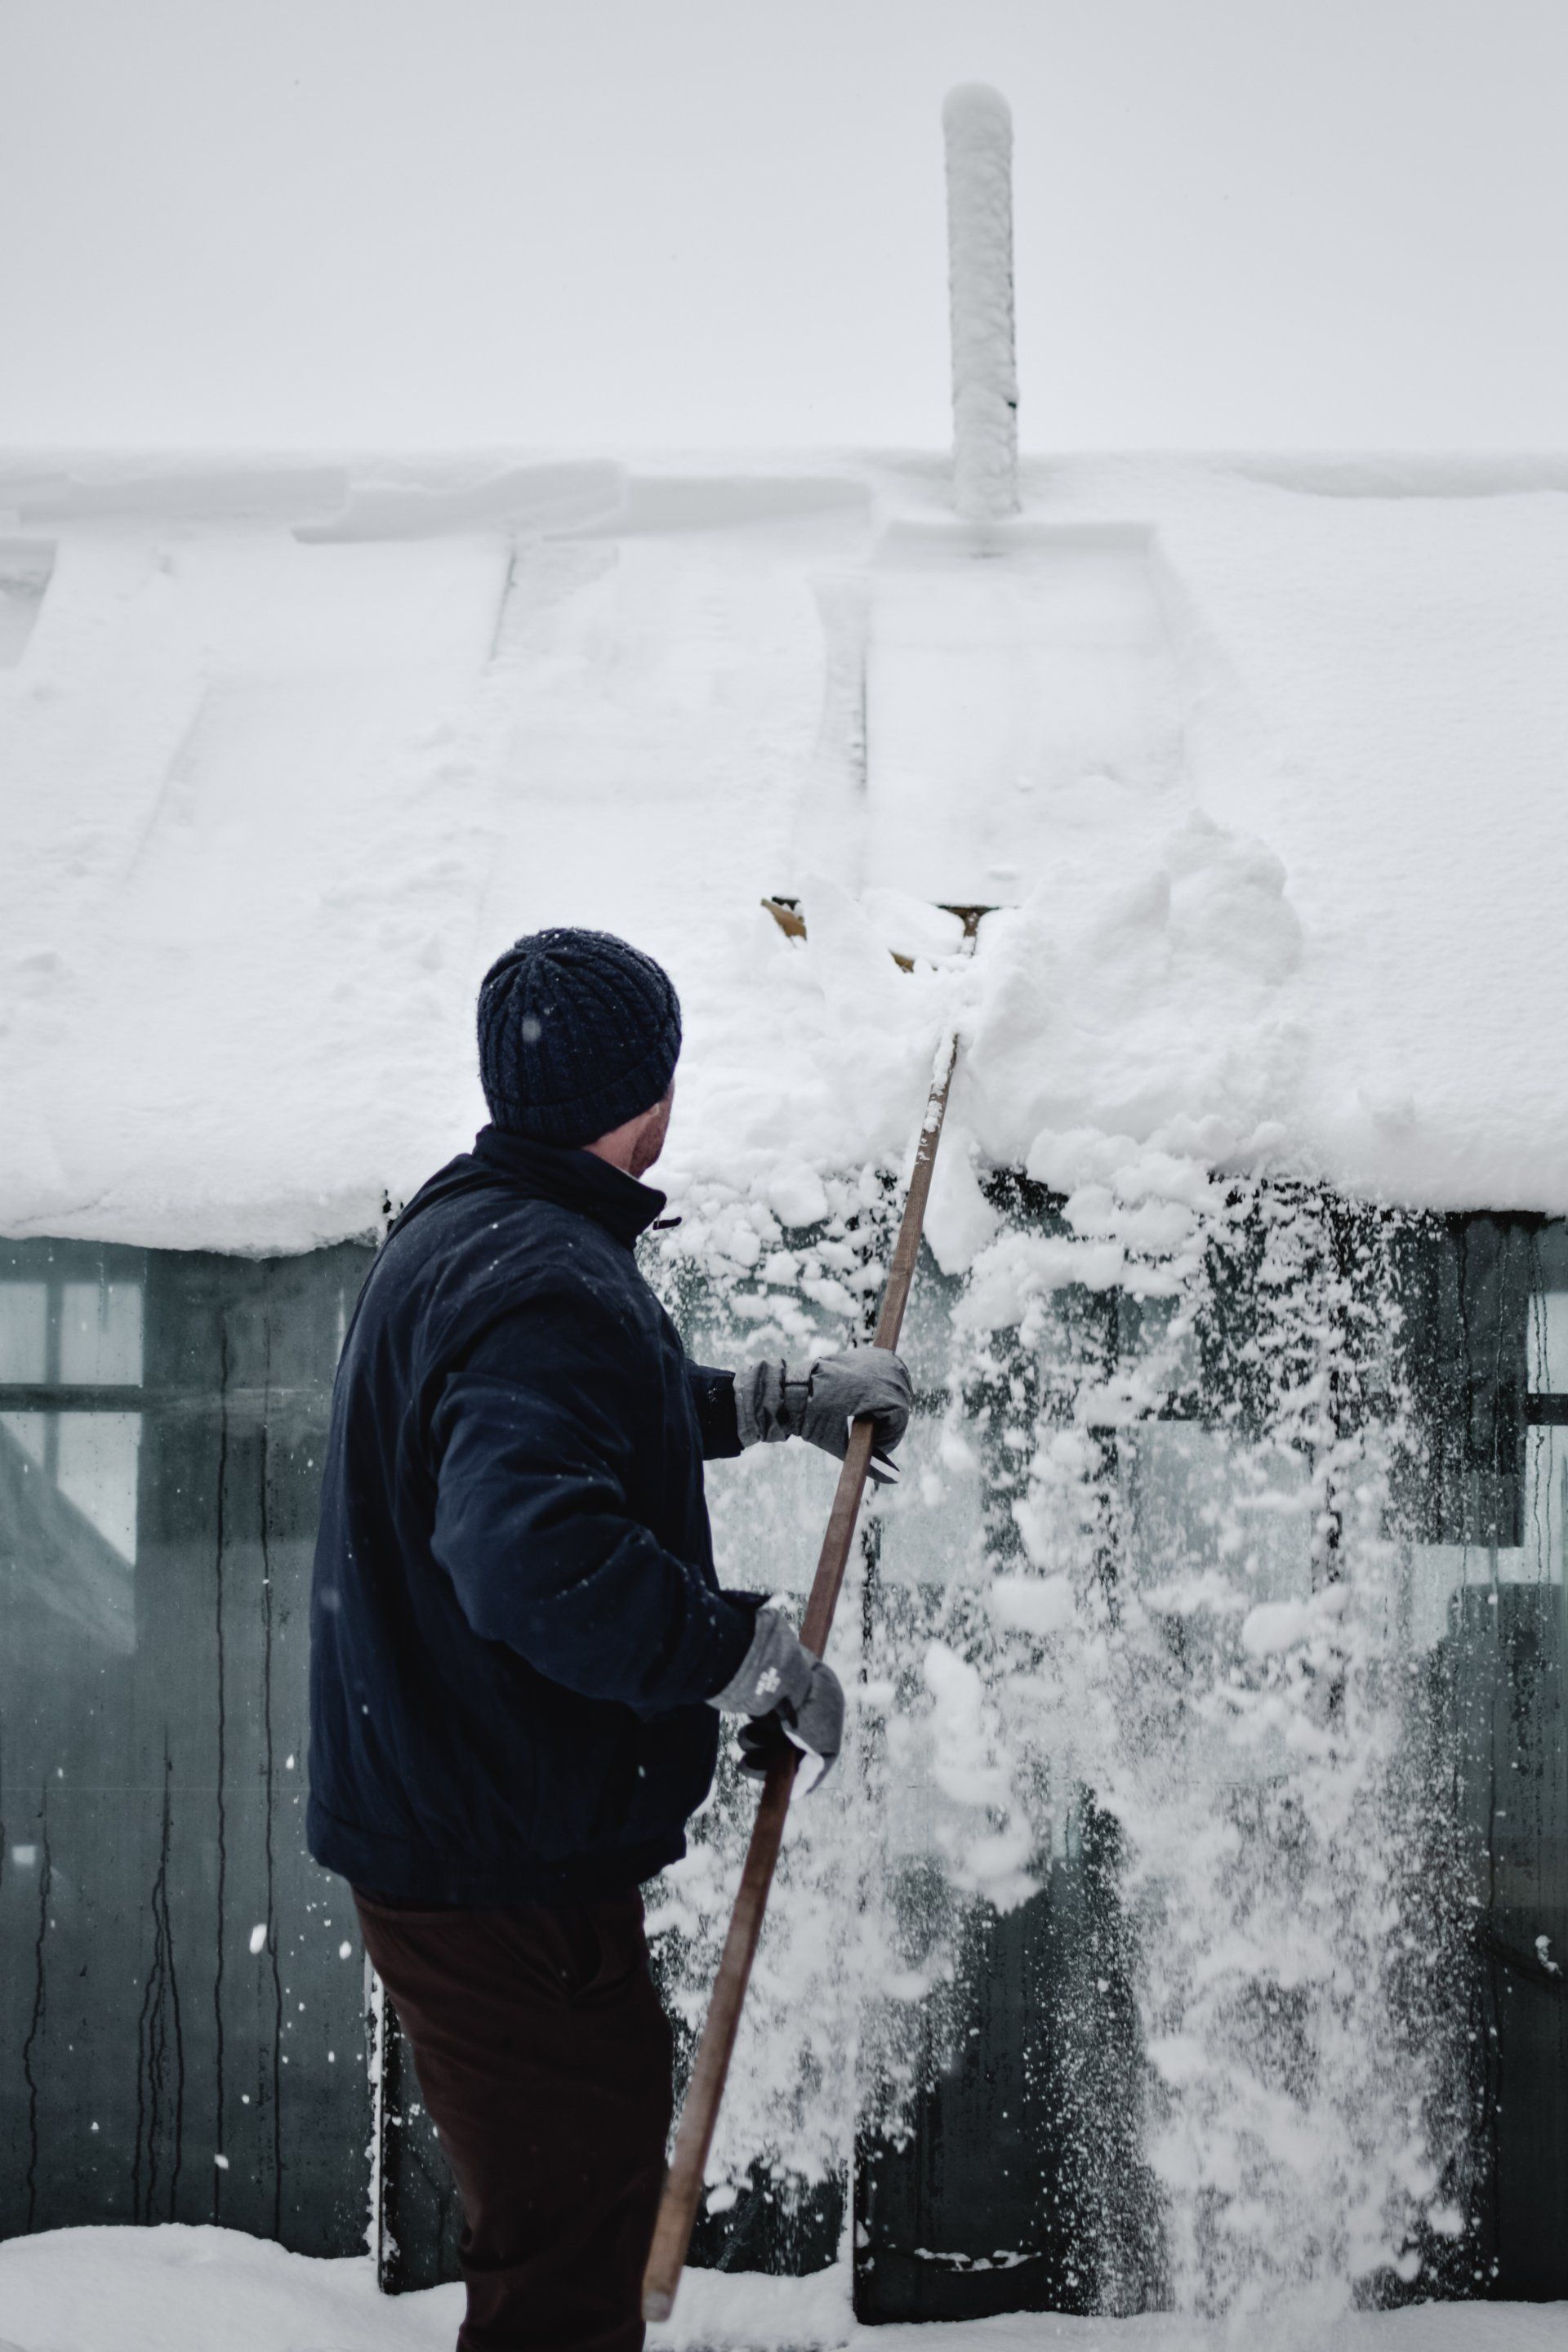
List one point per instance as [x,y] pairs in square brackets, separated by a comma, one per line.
[1267,759]
[177,2289]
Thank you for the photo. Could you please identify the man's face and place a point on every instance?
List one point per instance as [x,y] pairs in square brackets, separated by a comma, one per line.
[635,1146]
[653,1128]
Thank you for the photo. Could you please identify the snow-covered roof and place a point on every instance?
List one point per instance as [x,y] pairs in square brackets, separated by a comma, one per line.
[1267,759]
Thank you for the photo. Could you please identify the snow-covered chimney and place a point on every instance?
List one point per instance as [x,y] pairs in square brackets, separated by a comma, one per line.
[979,134]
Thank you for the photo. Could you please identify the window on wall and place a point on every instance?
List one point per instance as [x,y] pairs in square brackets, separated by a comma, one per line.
[71,1430]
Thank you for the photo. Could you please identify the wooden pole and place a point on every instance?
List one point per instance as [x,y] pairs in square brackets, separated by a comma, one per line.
[683,2185]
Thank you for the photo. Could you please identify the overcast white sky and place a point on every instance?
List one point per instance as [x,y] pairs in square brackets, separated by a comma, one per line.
[622,223]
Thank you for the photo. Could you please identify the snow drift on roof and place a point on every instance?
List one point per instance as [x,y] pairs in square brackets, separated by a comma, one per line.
[1265,759]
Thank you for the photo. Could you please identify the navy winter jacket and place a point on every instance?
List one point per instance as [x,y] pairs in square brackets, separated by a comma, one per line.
[515,1622]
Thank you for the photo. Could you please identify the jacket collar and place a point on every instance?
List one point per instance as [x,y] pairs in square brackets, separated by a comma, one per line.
[572,1179]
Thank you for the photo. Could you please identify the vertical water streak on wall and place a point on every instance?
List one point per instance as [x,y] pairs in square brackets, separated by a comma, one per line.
[221,1664]
[160,2104]
[269,2079]
[41,2005]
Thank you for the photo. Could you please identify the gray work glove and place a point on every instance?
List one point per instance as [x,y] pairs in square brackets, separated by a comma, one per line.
[772,1403]
[790,1695]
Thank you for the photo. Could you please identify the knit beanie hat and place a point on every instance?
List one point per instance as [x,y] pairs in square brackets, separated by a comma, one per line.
[578,1033]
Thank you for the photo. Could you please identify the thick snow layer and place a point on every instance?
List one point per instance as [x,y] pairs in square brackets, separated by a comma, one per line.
[1266,762]
[177,2289]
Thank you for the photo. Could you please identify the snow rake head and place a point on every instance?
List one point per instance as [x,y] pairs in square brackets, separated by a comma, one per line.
[786,914]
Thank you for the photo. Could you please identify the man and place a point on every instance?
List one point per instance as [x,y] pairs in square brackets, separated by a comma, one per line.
[520,1646]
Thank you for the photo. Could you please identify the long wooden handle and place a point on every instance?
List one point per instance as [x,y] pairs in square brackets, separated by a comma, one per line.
[683,2187]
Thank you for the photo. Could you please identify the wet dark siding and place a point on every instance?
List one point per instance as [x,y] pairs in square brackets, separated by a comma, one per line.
[161,1421]
[153,1731]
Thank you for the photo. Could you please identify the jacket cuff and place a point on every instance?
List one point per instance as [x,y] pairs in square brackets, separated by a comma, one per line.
[714,1394]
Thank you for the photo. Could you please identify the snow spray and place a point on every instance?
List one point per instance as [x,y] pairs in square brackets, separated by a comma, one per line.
[1133,1626]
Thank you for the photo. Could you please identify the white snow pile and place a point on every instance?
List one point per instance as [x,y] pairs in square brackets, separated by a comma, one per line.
[179,2289]
[1268,763]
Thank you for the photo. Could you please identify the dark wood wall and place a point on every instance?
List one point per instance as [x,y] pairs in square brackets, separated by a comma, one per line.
[152,1753]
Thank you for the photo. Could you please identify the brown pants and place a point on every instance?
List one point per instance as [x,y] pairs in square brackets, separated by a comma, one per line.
[543,2057]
